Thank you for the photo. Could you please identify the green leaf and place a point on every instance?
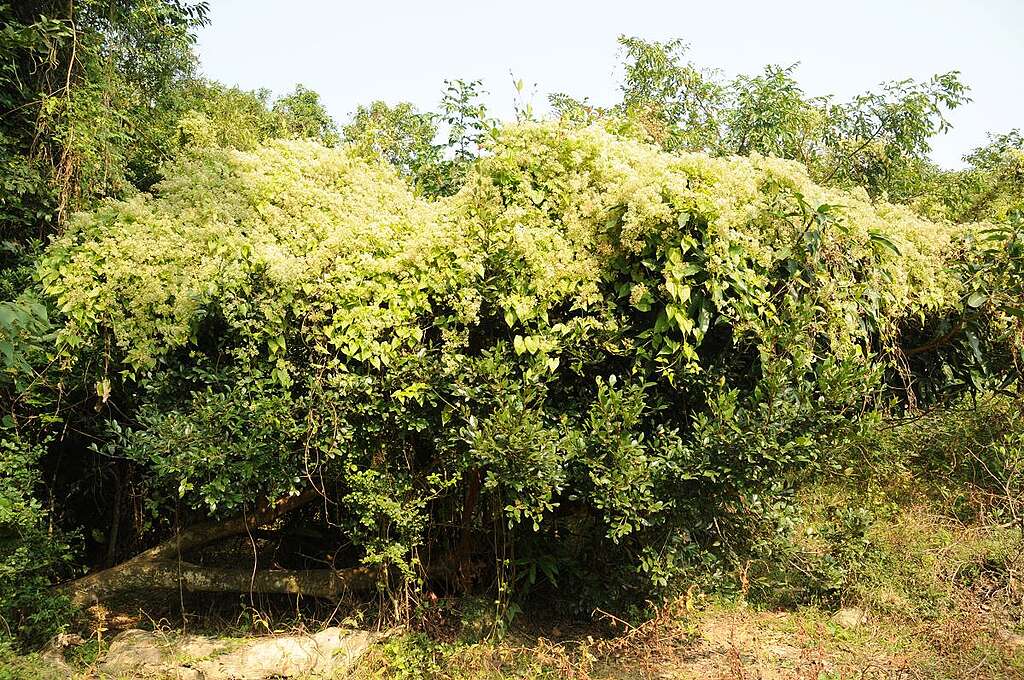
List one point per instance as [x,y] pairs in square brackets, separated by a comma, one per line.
[1013,311]
[879,239]
[688,269]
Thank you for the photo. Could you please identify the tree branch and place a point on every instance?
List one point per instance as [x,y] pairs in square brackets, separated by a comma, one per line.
[935,343]
[209,532]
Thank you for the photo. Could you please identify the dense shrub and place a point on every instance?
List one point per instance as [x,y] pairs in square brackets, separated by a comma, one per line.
[508,358]
[595,354]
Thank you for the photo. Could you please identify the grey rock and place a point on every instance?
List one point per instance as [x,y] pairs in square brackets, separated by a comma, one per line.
[138,653]
[850,618]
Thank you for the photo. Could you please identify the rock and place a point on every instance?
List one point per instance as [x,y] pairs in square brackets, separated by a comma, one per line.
[53,655]
[133,651]
[136,653]
[328,652]
[783,651]
[850,618]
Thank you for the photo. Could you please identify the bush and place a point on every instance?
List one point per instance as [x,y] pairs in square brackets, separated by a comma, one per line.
[29,553]
[597,360]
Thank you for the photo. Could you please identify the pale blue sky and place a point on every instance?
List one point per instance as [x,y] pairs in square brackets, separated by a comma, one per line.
[355,52]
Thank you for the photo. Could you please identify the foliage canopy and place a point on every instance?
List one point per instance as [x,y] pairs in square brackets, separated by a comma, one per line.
[595,331]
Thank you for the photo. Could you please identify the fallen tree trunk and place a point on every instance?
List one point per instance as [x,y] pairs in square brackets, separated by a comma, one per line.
[139,574]
[161,567]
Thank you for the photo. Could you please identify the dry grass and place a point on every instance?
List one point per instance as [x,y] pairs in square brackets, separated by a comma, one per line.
[736,643]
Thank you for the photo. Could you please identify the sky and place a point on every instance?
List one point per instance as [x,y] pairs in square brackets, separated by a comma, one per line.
[356,52]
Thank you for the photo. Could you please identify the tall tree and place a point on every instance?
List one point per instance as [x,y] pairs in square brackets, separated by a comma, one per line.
[86,86]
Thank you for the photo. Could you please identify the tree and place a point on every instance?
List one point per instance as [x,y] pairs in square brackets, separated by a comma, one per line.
[87,93]
[304,117]
[465,118]
[677,104]
[208,113]
[401,136]
[769,114]
[992,186]
[88,86]
[878,140]
[605,351]
[409,140]
[213,115]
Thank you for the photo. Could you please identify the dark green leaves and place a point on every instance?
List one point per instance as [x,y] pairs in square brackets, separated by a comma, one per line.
[882,242]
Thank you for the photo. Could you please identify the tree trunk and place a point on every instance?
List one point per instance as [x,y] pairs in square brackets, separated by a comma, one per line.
[463,551]
[141,574]
[210,532]
[161,566]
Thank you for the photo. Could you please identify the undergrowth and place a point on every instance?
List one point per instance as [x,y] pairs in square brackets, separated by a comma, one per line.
[922,542]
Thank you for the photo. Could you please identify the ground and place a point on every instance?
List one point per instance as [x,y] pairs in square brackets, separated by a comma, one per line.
[733,642]
[715,640]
